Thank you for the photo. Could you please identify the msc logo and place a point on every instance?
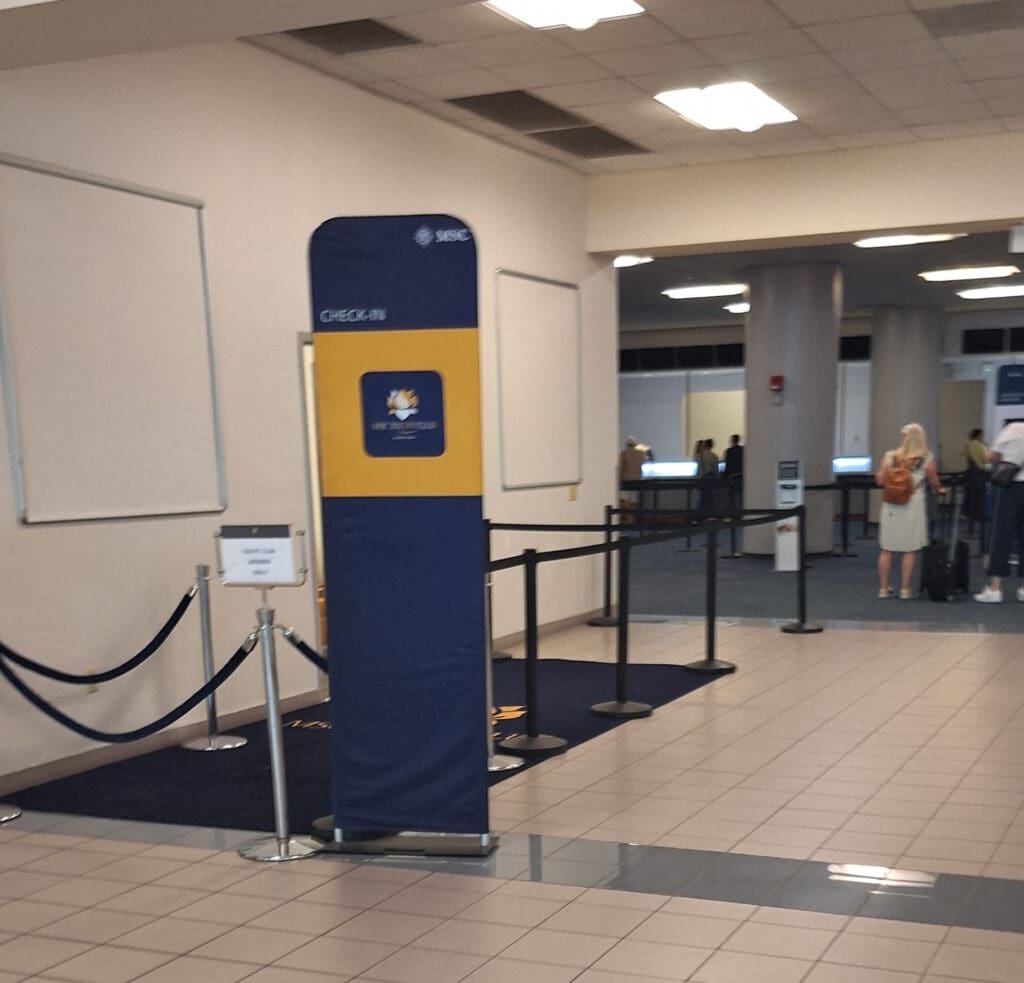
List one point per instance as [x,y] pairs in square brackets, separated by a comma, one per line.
[425,236]
[403,403]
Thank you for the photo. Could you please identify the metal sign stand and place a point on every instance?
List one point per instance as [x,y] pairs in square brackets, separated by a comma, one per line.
[262,557]
[212,741]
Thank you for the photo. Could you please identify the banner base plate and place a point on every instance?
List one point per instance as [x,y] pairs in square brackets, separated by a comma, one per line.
[408,843]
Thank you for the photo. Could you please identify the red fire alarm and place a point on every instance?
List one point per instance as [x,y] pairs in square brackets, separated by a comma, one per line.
[775,383]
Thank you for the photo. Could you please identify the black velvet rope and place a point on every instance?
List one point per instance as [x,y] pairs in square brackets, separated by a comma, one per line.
[132,735]
[102,677]
[318,660]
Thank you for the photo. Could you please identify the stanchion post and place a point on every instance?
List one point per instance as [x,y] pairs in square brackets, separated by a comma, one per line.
[212,741]
[800,626]
[622,707]
[532,742]
[495,762]
[281,846]
[865,532]
[710,664]
[496,656]
[605,619]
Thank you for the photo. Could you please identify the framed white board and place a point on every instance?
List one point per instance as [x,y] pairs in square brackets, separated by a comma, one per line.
[106,349]
[539,380]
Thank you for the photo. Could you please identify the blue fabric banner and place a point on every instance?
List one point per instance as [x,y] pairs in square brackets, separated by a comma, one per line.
[397,377]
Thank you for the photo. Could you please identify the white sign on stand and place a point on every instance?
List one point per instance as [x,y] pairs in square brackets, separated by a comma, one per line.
[259,556]
[789,493]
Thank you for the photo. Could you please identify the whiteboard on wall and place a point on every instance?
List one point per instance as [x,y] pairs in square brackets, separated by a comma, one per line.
[539,381]
[106,349]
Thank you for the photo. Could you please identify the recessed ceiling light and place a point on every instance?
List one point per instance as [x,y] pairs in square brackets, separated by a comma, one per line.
[729,106]
[878,242]
[624,262]
[969,273]
[8,4]
[987,293]
[740,307]
[577,14]
[705,290]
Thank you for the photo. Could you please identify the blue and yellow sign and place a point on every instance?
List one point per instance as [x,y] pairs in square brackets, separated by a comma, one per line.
[398,415]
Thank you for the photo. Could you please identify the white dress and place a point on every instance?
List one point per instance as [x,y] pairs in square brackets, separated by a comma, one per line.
[904,528]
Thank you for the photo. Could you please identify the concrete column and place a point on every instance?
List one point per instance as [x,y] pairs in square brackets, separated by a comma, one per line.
[792,330]
[906,375]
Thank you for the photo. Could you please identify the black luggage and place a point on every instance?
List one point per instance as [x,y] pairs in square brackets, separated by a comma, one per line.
[945,567]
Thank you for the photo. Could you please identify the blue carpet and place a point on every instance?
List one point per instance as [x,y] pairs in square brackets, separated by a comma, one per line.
[232,789]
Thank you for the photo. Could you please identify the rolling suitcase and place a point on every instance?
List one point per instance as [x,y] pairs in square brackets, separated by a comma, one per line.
[945,567]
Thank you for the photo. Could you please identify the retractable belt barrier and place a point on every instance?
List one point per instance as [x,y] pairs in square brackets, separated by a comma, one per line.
[536,743]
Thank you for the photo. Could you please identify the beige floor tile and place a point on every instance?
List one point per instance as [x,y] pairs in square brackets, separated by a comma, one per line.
[416,965]
[351,893]
[475,938]
[81,891]
[559,948]
[279,974]
[206,877]
[94,925]
[780,940]
[680,929]
[292,916]
[151,899]
[511,910]
[67,862]
[191,968]
[255,945]
[421,900]
[380,925]
[905,955]
[742,967]
[502,970]
[26,916]
[652,959]
[140,869]
[109,964]
[977,963]
[334,955]
[800,919]
[178,935]
[889,928]
[592,919]
[831,973]
[284,885]
[30,954]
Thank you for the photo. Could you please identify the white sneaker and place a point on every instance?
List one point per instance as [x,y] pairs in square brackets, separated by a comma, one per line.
[1020,593]
[990,596]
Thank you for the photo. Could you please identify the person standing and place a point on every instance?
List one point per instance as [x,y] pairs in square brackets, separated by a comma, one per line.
[734,472]
[1008,515]
[707,477]
[976,459]
[903,528]
[631,459]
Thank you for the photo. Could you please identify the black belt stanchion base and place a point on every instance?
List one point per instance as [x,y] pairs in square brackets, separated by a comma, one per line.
[8,812]
[710,664]
[801,627]
[621,707]
[605,619]
[532,742]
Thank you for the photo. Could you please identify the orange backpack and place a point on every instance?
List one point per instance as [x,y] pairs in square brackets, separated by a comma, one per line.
[899,482]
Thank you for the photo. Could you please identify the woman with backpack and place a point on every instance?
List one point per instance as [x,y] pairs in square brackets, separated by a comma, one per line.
[903,522]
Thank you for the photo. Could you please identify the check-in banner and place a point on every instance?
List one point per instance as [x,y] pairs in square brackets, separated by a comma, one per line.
[398,408]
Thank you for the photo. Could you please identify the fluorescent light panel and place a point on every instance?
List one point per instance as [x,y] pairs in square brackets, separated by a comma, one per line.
[626,261]
[740,307]
[969,273]
[578,14]
[8,4]
[699,290]
[989,293]
[909,239]
[729,106]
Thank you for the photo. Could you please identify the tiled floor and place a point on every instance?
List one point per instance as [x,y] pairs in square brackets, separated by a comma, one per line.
[846,808]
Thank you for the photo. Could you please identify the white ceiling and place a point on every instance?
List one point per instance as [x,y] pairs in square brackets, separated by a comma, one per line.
[857,73]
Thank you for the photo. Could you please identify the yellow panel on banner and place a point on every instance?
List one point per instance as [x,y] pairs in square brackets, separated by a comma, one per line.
[343,359]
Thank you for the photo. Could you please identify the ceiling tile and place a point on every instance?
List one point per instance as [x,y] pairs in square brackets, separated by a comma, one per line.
[989,44]
[872,138]
[776,133]
[934,4]
[918,85]
[783,148]
[454,24]
[751,47]
[656,58]
[867,31]
[449,85]
[952,131]
[994,67]
[827,11]
[724,17]
[342,68]
[536,74]
[810,66]
[998,15]
[610,35]
[1004,109]
[683,78]
[588,141]
[518,110]
[599,91]
[965,110]
[885,56]
[400,63]
[644,114]
[631,162]
[351,37]
[995,89]
[396,91]
[720,153]
[509,48]
[846,123]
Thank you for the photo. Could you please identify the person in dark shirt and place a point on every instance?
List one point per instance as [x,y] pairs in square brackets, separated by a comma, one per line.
[734,472]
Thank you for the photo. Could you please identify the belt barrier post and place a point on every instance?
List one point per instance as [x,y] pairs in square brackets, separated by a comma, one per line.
[844,518]
[495,762]
[801,627]
[213,741]
[605,619]
[281,846]
[710,664]
[864,534]
[498,656]
[622,707]
[532,742]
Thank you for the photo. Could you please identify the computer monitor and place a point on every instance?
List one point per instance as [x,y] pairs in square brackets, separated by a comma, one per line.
[851,465]
[669,469]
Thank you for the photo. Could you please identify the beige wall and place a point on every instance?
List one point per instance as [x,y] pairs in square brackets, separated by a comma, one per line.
[273,149]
